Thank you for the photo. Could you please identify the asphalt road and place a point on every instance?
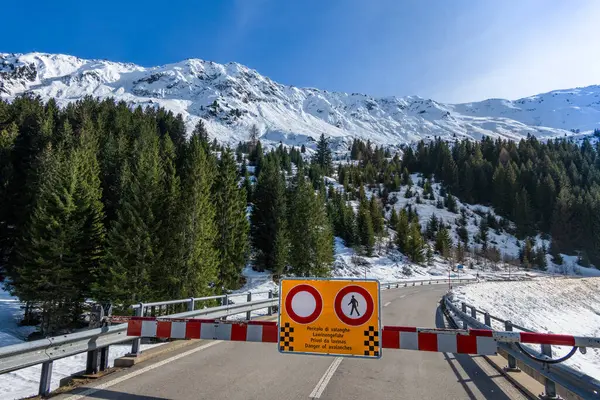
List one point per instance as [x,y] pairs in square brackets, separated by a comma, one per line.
[229,370]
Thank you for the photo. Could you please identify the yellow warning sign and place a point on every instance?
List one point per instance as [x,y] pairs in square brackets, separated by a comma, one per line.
[338,317]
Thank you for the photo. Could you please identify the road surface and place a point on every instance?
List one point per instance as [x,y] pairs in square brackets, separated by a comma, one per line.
[230,370]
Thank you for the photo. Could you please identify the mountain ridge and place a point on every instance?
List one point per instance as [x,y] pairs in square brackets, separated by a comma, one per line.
[231,97]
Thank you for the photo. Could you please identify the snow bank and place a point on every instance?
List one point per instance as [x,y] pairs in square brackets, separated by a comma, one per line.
[559,305]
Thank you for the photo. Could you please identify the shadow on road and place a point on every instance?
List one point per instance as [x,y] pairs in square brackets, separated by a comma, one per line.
[113,395]
[475,374]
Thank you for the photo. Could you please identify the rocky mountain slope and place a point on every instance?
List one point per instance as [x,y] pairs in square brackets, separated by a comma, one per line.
[231,97]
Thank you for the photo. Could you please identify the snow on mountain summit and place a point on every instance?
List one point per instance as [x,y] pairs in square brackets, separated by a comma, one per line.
[231,97]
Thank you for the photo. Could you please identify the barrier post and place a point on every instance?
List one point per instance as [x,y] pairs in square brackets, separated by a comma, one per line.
[512,362]
[135,345]
[549,386]
[270,309]
[487,319]
[45,379]
[191,304]
[463,306]
[248,313]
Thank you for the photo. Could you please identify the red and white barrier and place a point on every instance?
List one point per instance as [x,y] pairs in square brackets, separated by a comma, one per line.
[442,340]
[248,331]
[472,341]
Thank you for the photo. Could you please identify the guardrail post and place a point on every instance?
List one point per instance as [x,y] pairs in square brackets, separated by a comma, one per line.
[135,346]
[91,365]
[270,308]
[45,379]
[421,283]
[430,282]
[248,314]
[413,284]
[474,312]
[104,358]
[191,304]
[225,300]
[549,385]
[389,286]
[397,285]
[487,319]
[512,362]
[463,306]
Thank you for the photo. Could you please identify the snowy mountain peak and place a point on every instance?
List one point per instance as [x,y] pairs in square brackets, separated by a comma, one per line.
[231,97]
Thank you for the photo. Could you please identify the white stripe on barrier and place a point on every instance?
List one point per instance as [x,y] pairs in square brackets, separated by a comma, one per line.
[254,333]
[149,328]
[178,330]
[447,343]
[486,345]
[409,340]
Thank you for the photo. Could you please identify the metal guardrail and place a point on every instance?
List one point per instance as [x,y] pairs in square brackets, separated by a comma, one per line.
[572,380]
[429,281]
[97,341]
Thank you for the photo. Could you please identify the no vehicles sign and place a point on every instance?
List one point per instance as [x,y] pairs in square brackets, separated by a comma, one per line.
[338,317]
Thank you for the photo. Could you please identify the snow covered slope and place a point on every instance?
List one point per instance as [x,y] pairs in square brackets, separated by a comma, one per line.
[232,97]
[569,306]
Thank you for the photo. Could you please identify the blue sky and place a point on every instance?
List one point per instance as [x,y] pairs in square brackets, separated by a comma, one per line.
[449,50]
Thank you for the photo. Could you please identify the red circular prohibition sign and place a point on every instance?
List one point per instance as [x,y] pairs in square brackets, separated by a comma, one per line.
[318,304]
[337,304]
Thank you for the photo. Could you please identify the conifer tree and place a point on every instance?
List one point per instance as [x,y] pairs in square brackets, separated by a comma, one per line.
[269,227]
[415,243]
[393,218]
[232,224]
[443,242]
[364,224]
[323,155]
[402,231]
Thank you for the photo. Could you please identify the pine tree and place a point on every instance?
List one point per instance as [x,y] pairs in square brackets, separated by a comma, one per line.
[199,255]
[131,242]
[393,218]
[483,233]
[269,230]
[232,224]
[376,216]
[168,281]
[402,231]
[443,242]
[323,155]
[522,214]
[432,227]
[415,243]
[364,224]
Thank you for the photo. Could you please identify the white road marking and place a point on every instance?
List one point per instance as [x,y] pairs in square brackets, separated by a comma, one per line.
[403,296]
[140,371]
[318,390]
[387,304]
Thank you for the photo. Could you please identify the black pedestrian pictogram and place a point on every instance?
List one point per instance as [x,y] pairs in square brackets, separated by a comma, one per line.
[354,304]
[285,337]
[371,342]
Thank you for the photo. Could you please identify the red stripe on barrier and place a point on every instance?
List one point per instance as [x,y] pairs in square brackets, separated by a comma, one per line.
[192,329]
[270,333]
[547,338]
[428,341]
[466,344]
[390,339]
[481,332]
[263,323]
[134,328]
[238,332]
[163,329]
[400,328]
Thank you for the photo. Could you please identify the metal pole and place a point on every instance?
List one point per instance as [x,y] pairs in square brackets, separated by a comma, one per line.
[45,379]
[248,313]
[512,362]
[270,309]
[463,306]
[474,312]
[135,346]
[191,304]
[488,319]
[91,365]
[389,286]
[549,385]
[104,358]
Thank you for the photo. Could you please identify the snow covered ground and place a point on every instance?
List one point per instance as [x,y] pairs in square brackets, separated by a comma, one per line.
[559,305]
[25,382]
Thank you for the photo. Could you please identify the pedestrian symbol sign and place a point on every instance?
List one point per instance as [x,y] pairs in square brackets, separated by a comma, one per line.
[337,317]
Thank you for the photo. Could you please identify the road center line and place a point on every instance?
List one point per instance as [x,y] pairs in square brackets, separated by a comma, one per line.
[322,384]
[140,371]
[403,296]
[387,304]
